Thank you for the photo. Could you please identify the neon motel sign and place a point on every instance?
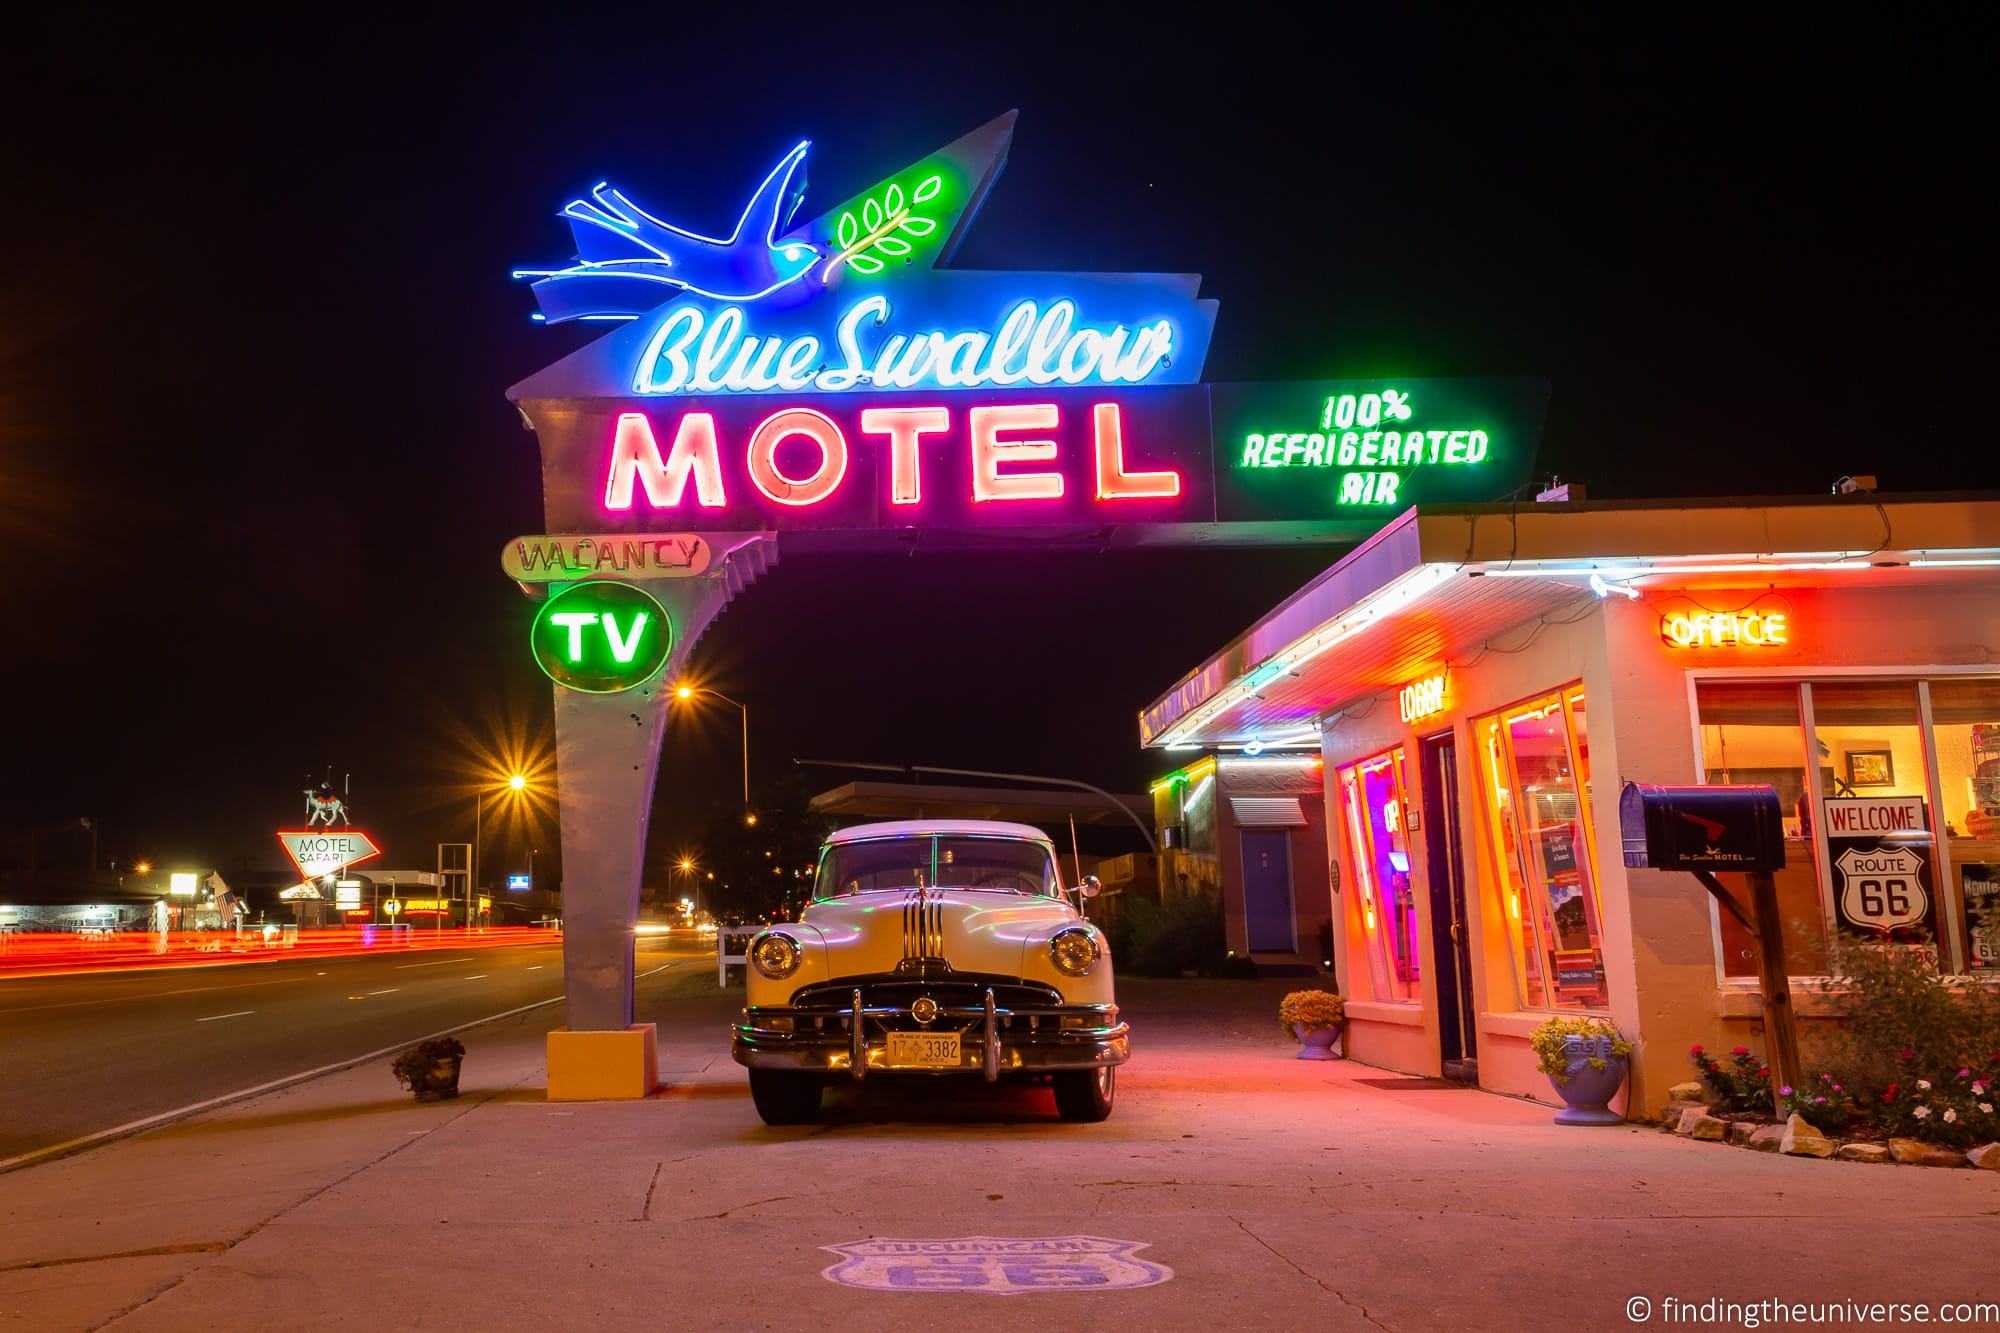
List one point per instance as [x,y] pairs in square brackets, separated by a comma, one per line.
[836,375]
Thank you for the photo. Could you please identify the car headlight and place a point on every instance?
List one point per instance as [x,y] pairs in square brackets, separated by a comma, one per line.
[1074,950]
[776,955]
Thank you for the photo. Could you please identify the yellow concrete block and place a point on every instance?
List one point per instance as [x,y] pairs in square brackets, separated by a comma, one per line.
[603,1066]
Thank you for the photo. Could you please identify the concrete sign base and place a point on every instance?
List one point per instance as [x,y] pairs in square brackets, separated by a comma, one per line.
[603,1066]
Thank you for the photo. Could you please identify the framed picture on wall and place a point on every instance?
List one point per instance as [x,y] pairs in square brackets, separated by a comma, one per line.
[1871,768]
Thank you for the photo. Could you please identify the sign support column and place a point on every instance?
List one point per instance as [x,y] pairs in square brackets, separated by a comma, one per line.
[607,761]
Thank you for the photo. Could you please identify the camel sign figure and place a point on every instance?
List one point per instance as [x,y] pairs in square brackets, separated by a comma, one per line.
[323,807]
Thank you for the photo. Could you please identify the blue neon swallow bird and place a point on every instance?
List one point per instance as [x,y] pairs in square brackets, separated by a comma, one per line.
[630,262]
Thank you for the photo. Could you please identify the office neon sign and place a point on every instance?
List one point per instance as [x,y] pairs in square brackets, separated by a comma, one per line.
[1727,629]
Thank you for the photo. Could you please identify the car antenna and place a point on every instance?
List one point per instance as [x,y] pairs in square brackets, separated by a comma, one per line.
[1075,856]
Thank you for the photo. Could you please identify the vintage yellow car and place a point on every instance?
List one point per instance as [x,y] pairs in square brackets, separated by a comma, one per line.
[933,949]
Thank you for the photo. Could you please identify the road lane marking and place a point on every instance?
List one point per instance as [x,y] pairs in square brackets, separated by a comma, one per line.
[391,991]
[132,1127]
[435,962]
[240,1013]
[477,976]
[536,968]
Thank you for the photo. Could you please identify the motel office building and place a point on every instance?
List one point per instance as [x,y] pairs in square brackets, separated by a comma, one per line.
[1474,686]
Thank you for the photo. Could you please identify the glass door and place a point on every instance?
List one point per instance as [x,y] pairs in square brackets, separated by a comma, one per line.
[1377,804]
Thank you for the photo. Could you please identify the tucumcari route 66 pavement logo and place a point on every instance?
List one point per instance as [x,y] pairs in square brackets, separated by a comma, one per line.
[996,1265]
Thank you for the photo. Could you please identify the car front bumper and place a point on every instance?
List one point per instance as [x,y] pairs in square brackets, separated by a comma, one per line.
[854,1041]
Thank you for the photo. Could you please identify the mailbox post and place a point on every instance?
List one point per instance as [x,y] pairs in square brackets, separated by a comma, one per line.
[1705,829]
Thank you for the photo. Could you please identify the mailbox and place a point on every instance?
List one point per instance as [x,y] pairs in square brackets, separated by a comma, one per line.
[1702,828]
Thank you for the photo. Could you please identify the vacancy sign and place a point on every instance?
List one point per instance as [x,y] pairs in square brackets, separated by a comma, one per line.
[318,852]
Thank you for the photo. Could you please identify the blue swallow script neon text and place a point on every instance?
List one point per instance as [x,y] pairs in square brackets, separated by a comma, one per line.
[695,350]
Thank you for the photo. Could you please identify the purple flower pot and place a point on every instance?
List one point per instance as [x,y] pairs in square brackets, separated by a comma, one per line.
[1587,1089]
[1317,1043]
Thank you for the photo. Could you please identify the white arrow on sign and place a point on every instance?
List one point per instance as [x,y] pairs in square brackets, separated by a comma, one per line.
[1882,889]
[318,852]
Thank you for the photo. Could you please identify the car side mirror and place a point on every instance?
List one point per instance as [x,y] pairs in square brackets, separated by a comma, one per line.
[1091,886]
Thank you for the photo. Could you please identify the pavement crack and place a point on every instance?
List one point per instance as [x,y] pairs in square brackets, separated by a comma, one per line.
[1338,1295]
[646,1213]
[191,1247]
[754,1203]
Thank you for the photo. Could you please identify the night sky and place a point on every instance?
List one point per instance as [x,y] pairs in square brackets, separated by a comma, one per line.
[256,464]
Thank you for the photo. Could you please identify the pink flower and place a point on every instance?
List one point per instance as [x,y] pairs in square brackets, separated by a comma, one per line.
[1694,1050]
[1739,1050]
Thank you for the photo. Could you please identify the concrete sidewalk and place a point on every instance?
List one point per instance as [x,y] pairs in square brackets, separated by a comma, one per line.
[1279,1192]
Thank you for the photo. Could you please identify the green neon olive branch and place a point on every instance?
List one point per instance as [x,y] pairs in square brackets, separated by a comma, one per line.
[876,226]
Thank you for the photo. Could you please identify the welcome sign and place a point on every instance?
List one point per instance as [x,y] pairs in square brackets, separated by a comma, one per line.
[837,375]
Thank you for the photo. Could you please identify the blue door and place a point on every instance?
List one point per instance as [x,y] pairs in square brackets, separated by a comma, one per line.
[1267,890]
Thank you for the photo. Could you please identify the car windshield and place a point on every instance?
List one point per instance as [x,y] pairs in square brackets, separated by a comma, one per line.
[1008,864]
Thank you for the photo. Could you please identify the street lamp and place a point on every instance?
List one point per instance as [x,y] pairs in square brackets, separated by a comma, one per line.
[687,867]
[687,692]
[516,784]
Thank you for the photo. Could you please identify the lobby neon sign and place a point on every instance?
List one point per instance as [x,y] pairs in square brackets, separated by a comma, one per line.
[1421,699]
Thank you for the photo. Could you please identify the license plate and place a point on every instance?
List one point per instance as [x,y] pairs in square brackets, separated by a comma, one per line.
[923,1050]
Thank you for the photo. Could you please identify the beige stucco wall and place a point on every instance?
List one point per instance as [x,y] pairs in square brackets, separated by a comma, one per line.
[1659,939]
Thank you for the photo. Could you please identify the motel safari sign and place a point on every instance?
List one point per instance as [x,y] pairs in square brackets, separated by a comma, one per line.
[835,375]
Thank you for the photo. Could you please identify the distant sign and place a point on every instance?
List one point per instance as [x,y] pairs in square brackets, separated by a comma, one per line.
[575,556]
[996,1265]
[321,852]
[392,906]
[183,884]
[518,884]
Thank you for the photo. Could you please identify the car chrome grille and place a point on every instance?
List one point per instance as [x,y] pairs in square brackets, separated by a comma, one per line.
[923,928]
[958,991]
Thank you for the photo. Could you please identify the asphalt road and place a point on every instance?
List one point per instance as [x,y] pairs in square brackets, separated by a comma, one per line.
[81,1054]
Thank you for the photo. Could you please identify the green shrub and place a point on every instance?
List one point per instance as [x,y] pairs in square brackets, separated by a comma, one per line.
[1180,934]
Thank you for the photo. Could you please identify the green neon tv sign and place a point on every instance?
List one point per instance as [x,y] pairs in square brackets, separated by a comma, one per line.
[600,637]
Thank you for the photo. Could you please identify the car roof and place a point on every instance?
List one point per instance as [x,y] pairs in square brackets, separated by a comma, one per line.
[914,828]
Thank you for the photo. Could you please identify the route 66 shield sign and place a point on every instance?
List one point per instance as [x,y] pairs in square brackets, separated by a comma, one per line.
[995,1265]
[1882,887]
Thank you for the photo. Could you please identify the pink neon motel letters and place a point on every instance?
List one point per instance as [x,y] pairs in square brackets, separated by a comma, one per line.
[1008,450]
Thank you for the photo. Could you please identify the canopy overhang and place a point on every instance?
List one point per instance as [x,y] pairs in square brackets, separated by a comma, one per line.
[1438,584]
